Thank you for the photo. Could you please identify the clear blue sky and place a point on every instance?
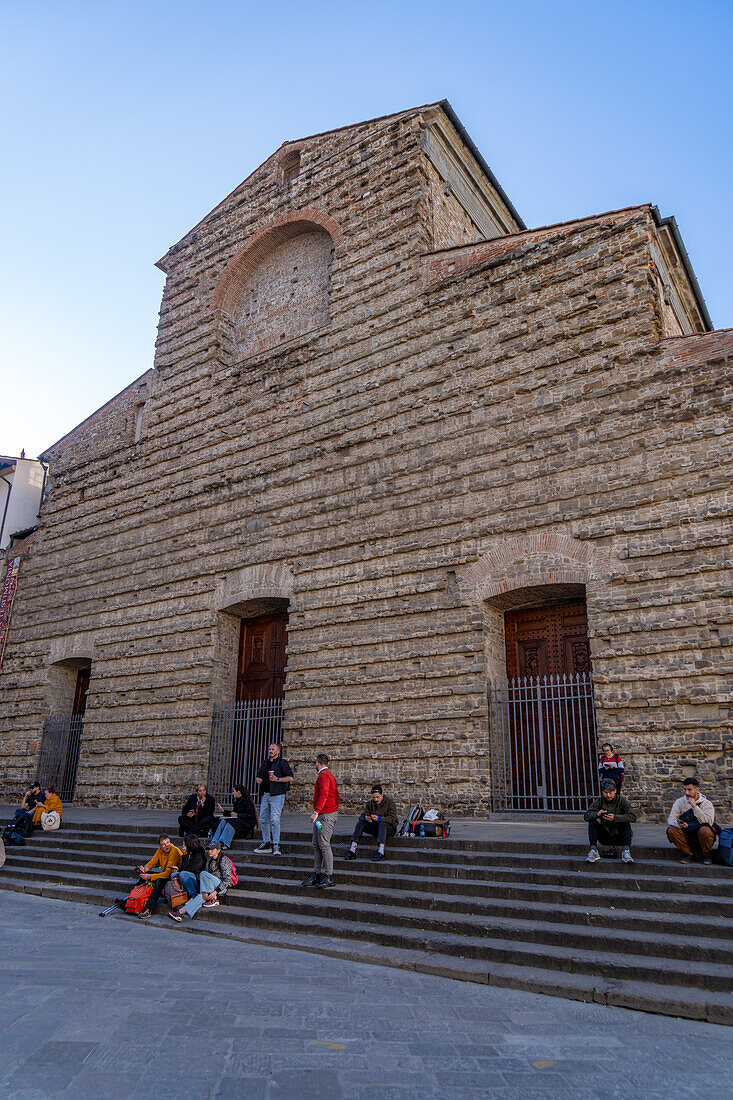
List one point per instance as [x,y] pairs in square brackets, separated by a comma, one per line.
[124,123]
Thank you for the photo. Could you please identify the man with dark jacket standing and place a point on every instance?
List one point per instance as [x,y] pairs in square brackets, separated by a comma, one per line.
[379,819]
[326,799]
[198,813]
[609,821]
[273,779]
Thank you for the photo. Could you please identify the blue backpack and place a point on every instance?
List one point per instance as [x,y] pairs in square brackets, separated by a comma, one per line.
[12,836]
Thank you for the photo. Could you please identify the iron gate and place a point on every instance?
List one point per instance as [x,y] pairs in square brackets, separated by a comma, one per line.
[543,743]
[240,735]
[58,759]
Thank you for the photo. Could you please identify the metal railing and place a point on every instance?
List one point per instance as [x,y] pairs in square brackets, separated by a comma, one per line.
[543,743]
[58,759]
[240,735]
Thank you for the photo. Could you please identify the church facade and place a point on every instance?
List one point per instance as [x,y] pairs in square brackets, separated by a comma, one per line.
[442,496]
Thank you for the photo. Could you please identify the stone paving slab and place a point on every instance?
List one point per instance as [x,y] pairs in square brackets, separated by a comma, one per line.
[468,828]
[92,1008]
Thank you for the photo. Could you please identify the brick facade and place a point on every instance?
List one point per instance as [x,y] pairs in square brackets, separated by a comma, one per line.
[361,413]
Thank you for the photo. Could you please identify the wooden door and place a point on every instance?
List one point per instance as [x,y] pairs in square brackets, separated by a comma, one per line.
[261,667]
[80,693]
[550,707]
[547,641]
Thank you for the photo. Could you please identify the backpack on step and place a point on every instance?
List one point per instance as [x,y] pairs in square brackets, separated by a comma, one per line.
[24,826]
[235,876]
[415,814]
[138,898]
[12,837]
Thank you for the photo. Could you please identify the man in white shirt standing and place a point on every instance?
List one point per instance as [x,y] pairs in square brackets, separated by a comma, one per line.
[690,824]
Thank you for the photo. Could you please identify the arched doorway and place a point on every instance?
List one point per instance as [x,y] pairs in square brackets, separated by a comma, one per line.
[541,713]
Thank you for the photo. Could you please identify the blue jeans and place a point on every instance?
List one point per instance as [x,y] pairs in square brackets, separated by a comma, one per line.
[271,808]
[207,884]
[224,833]
[188,881]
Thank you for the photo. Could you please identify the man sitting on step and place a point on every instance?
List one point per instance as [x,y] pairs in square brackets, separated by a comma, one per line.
[197,815]
[690,824]
[609,821]
[158,870]
[379,819]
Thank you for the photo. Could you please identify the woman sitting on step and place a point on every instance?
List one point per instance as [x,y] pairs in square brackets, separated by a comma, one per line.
[51,805]
[213,883]
[241,821]
[186,877]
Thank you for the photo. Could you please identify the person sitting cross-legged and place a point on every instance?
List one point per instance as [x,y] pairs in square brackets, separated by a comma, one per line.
[186,876]
[609,822]
[691,821]
[214,882]
[158,870]
[379,819]
[197,815]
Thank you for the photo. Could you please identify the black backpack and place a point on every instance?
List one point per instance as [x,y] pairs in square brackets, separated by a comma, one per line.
[24,826]
[12,836]
[415,814]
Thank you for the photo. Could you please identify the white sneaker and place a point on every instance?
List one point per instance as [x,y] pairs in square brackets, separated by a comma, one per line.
[264,847]
[593,856]
[626,856]
[276,852]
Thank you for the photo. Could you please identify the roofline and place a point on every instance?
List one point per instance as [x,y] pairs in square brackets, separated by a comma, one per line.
[468,141]
[96,412]
[161,263]
[366,122]
[671,224]
[542,228]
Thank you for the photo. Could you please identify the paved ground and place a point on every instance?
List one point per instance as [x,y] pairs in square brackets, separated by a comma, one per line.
[114,1007]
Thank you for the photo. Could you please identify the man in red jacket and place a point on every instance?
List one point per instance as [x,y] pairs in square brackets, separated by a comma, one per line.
[326,800]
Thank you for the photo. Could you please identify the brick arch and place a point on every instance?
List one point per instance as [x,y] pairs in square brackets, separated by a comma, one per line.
[256,589]
[544,560]
[232,280]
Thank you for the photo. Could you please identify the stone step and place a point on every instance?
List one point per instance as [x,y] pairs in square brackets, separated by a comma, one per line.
[489,920]
[635,908]
[647,983]
[148,834]
[692,1003]
[491,862]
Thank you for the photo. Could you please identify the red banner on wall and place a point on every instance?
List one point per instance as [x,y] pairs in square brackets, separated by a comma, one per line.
[6,602]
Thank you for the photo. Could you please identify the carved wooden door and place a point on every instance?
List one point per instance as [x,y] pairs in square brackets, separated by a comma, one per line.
[261,667]
[547,641]
[549,708]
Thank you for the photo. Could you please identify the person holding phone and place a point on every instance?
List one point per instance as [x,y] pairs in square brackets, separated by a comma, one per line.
[273,778]
[609,822]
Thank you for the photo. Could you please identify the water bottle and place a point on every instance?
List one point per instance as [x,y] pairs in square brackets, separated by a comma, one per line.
[318,824]
[422,829]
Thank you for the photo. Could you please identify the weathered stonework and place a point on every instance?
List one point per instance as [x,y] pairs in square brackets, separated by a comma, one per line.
[426,431]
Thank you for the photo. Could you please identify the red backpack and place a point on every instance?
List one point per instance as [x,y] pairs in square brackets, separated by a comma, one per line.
[138,898]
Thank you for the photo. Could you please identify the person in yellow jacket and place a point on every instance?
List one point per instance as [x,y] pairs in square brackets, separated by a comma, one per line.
[53,802]
[158,870]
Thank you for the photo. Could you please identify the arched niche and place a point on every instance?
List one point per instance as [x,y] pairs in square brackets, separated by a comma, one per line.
[277,287]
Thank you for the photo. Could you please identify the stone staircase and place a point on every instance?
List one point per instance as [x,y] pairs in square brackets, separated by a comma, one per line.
[655,935]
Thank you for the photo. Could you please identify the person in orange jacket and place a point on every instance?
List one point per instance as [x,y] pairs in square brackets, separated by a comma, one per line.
[52,802]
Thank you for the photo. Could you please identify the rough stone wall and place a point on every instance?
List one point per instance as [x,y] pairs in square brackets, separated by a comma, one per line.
[287,294]
[508,389]
[451,224]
